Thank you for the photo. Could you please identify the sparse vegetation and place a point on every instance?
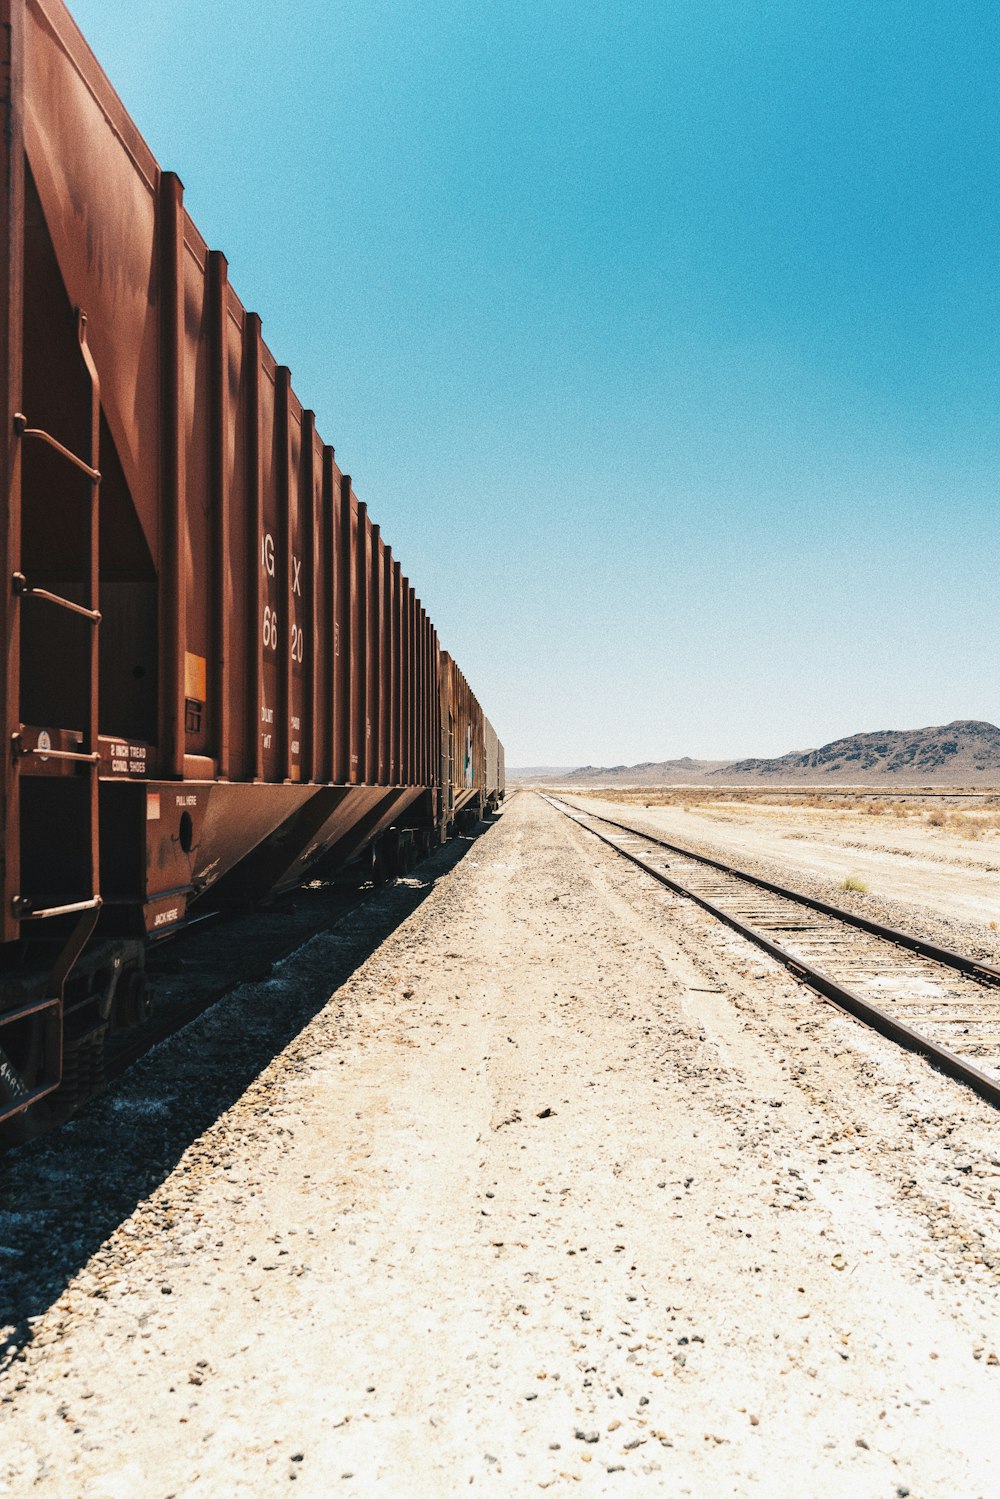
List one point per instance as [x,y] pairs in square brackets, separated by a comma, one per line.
[903,802]
[969,819]
[852,883]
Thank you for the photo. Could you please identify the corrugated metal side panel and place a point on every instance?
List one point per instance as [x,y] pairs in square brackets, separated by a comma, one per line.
[11,328]
[333,698]
[397,674]
[268,562]
[409,614]
[317,569]
[476,754]
[364,642]
[239,555]
[492,769]
[99,184]
[198,541]
[291,644]
[344,574]
[292,628]
[374,656]
[386,767]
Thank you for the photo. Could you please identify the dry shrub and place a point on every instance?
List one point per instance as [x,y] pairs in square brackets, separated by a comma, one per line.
[976,823]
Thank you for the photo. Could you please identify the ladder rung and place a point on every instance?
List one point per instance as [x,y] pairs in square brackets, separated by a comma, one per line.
[22,429]
[23,908]
[21,751]
[23,590]
[52,754]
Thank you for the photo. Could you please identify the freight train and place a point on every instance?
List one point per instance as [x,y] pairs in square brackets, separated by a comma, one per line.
[217,681]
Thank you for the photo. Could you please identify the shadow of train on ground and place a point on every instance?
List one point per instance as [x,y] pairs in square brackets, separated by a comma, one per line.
[62,1195]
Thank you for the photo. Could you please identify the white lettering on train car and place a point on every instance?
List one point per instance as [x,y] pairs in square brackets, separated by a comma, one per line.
[128,759]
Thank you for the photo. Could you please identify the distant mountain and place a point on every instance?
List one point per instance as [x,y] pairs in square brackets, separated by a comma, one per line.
[966,751]
[533,773]
[683,772]
[963,753]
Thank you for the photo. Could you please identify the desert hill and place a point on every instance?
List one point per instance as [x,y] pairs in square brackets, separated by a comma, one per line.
[682,772]
[963,753]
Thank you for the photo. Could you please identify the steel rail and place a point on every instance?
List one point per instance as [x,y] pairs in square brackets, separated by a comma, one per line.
[951,959]
[846,999]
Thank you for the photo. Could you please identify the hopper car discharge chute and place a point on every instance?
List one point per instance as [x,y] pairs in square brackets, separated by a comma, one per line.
[217,682]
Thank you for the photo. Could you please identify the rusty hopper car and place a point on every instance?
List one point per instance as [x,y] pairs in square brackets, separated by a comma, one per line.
[217,679]
[471,754]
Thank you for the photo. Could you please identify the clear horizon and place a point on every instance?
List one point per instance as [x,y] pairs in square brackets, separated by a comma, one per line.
[663,344]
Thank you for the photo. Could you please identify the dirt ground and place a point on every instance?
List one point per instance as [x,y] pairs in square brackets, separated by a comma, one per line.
[565,1189]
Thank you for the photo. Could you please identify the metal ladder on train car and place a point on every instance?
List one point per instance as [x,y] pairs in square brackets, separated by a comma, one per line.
[48,1011]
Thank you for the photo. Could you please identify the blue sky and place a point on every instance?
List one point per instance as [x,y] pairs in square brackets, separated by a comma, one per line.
[661,339]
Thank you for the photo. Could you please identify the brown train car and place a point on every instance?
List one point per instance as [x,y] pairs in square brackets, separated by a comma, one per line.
[471,754]
[494,776]
[216,677]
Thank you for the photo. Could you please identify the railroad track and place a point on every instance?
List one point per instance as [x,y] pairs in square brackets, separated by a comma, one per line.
[925,997]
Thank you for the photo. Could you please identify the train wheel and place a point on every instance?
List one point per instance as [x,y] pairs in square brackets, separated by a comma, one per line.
[133,1002]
